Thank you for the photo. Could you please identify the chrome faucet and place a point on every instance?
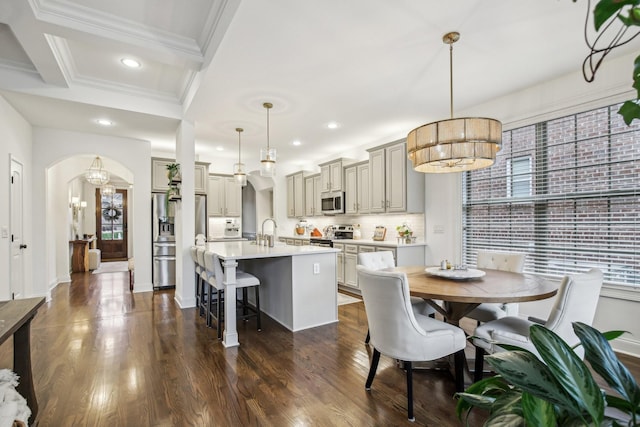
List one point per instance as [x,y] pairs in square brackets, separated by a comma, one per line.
[274,225]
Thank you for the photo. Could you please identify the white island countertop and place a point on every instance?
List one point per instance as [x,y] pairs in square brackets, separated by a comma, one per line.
[249,250]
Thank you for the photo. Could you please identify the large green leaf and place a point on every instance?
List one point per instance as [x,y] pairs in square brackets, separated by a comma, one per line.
[604,361]
[505,420]
[526,371]
[507,410]
[569,371]
[630,111]
[489,388]
[538,412]
[605,9]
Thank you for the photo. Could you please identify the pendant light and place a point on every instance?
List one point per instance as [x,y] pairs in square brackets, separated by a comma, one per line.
[267,155]
[108,190]
[95,174]
[238,168]
[454,145]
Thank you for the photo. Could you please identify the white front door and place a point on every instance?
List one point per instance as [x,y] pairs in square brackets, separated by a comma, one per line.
[17,240]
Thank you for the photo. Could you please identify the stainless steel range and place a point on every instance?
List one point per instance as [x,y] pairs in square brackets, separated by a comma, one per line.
[334,232]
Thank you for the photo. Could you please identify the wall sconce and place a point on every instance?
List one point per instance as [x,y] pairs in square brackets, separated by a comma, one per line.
[77,205]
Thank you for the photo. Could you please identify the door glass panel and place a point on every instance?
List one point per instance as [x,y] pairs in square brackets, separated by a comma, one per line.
[112,218]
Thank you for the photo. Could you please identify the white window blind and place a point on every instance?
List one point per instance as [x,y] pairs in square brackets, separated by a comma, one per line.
[577,207]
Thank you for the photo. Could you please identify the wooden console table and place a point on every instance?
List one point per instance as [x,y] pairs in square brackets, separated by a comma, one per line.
[80,256]
[15,316]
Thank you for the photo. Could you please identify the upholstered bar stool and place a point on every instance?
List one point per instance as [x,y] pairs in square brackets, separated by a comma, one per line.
[202,285]
[244,282]
[193,251]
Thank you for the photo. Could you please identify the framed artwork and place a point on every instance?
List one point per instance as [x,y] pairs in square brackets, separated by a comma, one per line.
[380,233]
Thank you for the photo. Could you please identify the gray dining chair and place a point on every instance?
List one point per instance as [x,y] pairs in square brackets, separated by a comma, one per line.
[399,333]
[495,260]
[576,301]
[381,260]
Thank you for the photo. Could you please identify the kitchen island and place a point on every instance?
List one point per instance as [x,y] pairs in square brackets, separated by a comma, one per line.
[297,283]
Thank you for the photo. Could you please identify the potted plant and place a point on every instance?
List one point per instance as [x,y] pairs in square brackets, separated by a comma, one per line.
[405,232]
[560,389]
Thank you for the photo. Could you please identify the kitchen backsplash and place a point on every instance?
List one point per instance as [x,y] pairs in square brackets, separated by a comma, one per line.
[367,223]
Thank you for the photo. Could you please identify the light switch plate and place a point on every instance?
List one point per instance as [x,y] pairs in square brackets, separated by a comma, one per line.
[438,229]
[5,232]
[316,268]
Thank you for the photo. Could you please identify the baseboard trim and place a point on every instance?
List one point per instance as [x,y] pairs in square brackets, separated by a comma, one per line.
[627,346]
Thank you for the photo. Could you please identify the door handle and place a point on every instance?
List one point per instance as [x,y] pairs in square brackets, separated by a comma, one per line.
[23,246]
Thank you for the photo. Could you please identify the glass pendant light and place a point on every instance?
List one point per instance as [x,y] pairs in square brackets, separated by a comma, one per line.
[108,190]
[238,168]
[268,155]
[95,174]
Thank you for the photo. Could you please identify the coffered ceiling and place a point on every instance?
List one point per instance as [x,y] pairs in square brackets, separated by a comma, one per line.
[376,68]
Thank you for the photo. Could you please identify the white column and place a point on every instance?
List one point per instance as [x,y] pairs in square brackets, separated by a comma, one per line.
[185,216]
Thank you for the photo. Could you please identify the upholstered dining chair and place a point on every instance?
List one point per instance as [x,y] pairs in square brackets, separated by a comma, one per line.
[202,295]
[380,260]
[244,281]
[494,260]
[576,301]
[193,251]
[399,333]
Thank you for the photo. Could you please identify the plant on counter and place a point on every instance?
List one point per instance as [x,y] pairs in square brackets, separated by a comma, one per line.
[405,231]
[560,389]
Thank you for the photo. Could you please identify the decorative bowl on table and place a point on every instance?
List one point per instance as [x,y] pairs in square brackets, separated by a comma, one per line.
[455,274]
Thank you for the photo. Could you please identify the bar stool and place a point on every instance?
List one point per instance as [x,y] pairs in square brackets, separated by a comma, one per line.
[193,251]
[201,290]
[215,278]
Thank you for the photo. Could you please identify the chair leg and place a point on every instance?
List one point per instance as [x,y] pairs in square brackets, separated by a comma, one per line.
[372,371]
[258,307]
[209,305]
[244,302]
[220,306]
[409,369]
[368,338]
[459,359]
[479,365]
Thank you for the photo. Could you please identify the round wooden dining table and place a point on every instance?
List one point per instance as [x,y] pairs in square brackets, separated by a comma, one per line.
[459,297]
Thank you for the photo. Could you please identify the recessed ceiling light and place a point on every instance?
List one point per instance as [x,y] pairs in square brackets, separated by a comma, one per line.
[296,143]
[104,122]
[332,125]
[131,63]
[219,148]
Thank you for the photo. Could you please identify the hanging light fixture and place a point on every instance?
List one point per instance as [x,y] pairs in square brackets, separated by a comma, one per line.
[454,145]
[95,174]
[267,155]
[108,190]
[238,168]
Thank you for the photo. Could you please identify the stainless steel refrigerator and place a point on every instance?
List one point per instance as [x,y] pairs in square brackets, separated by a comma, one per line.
[163,235]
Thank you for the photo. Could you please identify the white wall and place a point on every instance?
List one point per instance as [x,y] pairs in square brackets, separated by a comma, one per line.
[16,141]
[55,164]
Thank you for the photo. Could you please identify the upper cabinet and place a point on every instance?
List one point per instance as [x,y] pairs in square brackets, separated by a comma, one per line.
[160,183]
[312,190]
[331,175]
[295,195]
[356,187]
[224,197]
[391,178]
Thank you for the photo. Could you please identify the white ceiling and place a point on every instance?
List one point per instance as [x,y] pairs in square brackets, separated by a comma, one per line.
[378,68]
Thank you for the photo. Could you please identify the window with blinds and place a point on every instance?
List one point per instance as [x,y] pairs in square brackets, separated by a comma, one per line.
[566,192]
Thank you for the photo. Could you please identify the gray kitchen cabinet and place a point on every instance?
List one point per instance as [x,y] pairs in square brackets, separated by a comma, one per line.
[392,178]
[295,195]
[340,262]
[331,175]
[224,198]
[356,187]
[160,183]
[312,189]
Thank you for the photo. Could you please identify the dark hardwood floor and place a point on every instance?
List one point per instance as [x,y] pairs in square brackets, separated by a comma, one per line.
[103,356]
